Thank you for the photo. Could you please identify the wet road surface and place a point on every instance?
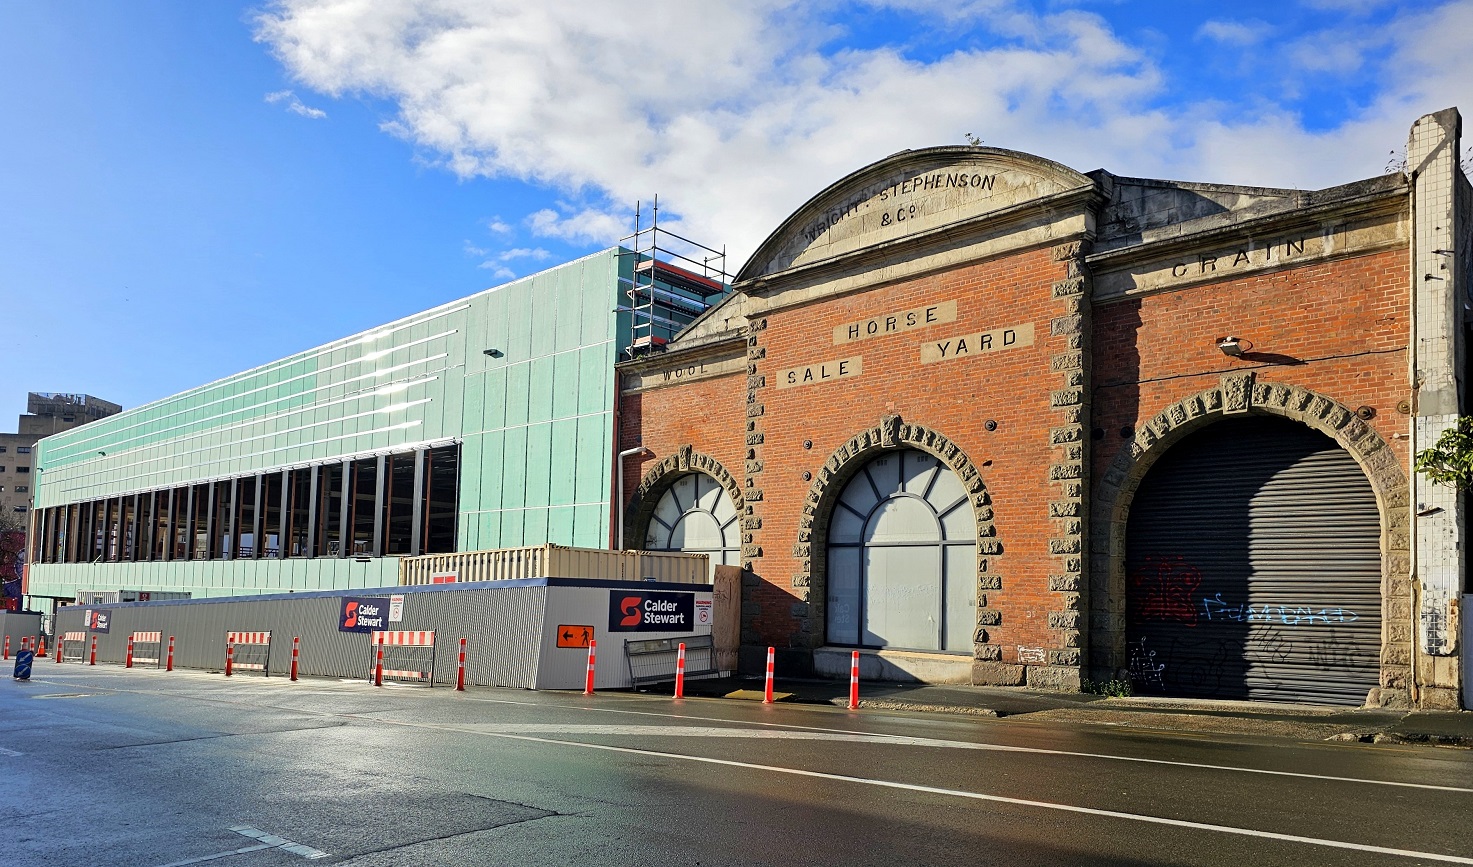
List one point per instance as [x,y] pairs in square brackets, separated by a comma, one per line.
[104,766]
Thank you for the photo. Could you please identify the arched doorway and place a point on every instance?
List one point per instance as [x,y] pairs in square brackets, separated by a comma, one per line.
[1253,568]
[901,557]
[695,515]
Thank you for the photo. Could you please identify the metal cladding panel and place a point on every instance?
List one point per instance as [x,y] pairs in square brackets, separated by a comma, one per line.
[207,578]
[501,625]
[16,625]
[583,606]
[1254,569]
[325,403]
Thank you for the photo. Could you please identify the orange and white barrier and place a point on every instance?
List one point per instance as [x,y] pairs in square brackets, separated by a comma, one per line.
[767,689]
[296,647]
[854,681]
[255,652]
[396,652]
[680,672]
[144,648]
[460,669]
[71,647]
[592,665]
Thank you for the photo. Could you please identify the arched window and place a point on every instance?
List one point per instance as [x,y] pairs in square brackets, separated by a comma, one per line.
[696,516]
[902,557]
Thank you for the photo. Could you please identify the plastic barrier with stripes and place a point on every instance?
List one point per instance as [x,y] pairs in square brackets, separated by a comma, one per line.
[148,648]
[73,646]
[407,657]
[248,651]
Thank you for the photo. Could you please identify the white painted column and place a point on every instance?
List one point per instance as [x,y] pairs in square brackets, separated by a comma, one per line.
[1437,363]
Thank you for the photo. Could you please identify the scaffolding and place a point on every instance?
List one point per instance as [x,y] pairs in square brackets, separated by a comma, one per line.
[673,281]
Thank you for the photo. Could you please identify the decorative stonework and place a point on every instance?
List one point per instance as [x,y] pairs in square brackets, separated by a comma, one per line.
[889,434]
[1243,394]
[1067,471]
[666,472]
[756,436]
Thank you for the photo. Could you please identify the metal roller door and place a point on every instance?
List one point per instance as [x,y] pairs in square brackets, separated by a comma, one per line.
[1253,569]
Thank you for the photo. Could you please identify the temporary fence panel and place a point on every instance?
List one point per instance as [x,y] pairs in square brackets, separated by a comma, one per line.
[252,650]
[148,649]
[610,613]
[73,646]
[554,561]
[653,660]
[408,657]
[509,625]
[17,625]
[502,620]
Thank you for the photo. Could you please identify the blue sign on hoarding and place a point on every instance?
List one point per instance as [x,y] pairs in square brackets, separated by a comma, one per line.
[363,614]
[651,611]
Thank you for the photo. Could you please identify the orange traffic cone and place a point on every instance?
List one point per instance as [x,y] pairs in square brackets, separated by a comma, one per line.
[42,652]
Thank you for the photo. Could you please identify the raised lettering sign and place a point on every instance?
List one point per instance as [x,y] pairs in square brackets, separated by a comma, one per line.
[682,373]
[976,344]
[895,323]
[913,195]
[824,371]
[1249,255]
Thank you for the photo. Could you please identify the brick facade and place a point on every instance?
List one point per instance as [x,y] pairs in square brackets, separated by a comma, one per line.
[1127,301]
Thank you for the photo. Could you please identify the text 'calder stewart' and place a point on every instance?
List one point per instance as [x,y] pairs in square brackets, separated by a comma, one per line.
[651,612]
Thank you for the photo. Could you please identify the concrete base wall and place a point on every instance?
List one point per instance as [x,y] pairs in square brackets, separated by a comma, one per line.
[894,665]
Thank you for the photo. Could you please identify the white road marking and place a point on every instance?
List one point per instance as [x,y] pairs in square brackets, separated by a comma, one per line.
[5,752]
[775,729]
[279,842]
[265,841]
[768,726]
[977,796]
[217,855]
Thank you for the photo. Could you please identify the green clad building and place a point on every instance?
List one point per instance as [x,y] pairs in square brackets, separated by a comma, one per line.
[483,423]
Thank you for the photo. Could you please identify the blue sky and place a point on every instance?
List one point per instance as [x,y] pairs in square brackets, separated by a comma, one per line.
[191,189]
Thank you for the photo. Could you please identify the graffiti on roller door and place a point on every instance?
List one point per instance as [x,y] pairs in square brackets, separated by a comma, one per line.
[1167,590]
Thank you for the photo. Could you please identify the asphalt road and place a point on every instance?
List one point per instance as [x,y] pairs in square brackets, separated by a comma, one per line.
[102,766]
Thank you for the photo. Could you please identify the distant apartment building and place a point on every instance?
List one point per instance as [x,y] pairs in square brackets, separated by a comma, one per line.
[46,413]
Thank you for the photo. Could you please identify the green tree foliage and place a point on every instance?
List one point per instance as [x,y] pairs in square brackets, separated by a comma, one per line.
[1450,460]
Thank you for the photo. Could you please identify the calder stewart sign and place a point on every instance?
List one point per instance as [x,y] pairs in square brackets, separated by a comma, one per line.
[646,611]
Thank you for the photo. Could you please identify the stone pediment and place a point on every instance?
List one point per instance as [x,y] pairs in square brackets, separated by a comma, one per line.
[907,194]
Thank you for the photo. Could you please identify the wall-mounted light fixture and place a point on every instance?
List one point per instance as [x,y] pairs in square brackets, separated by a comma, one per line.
[1233,346]
[494,353]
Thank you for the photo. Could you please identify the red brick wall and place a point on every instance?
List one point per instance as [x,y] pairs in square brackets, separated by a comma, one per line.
[1346,320]
[709,414]
[954,397]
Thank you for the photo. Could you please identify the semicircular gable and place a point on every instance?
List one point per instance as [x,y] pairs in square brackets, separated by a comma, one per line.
[905,193]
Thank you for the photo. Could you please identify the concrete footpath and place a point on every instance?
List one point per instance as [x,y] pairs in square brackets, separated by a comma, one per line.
[1305,722]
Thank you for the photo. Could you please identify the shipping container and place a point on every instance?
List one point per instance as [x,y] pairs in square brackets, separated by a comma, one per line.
[109,597]
[555,561]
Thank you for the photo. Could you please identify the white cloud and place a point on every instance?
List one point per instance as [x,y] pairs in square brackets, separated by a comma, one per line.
[739,117]
[295,105]
[1235,32]
[590,225]
[498,271]
[536,254]
[473,250]
[499,226]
